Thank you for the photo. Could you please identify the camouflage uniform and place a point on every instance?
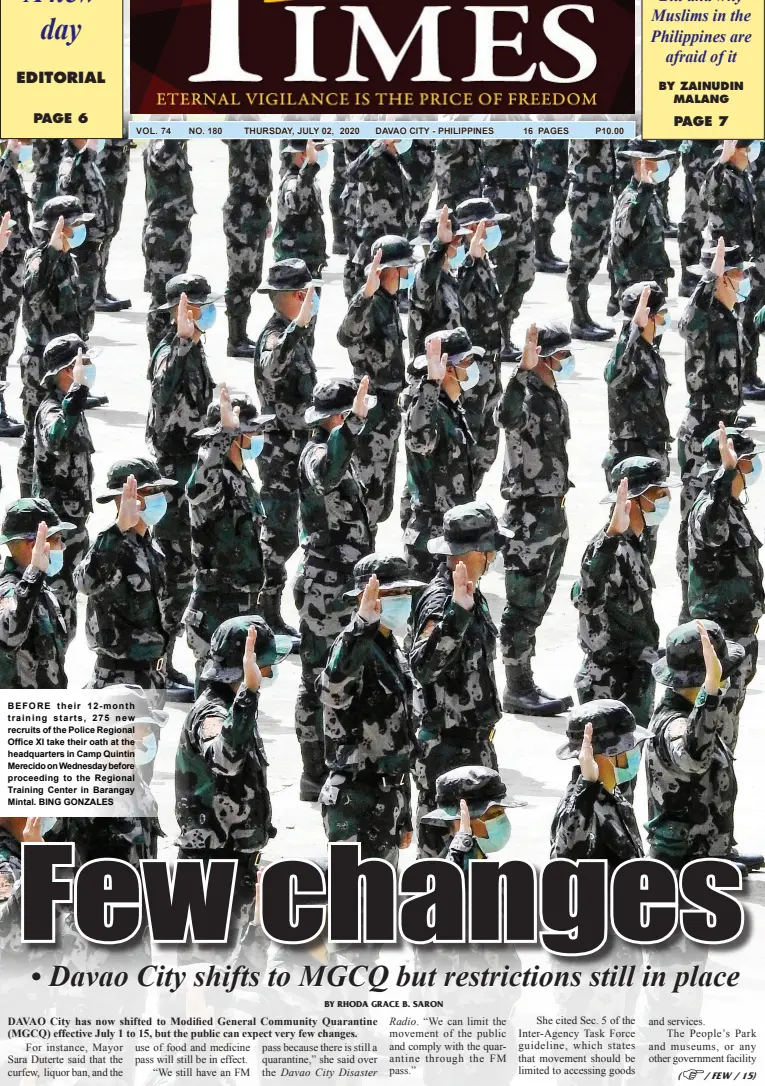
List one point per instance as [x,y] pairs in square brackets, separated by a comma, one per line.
[550,162]
[637,251]
[419,162]
[438,468]
[337,199]
[456,706]
[46,156]
[506,179]
[113,164]
[181,392]
[372,332]
[33,634]
[636,375]
[457,171]
[166,241]
[592,823]
[697,157]
[383,199]
[348,200]
[434,302]
[299,228]
[79,176]
[13,198]
[335,534]
[592,173]
[246,216]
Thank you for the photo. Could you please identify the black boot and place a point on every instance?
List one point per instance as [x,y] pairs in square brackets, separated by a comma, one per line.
[105,296]
[177,686]
[613,307]
[751,861]
[584,327]
[270,607]
[8,427]
[522,695]
[239,346]
[96,401]
[314,771]
[545,259]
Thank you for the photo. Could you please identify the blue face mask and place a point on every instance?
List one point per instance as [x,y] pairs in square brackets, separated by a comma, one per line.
[55,563]
[567,369]
[665,327]
[473,375]
[493,238]
[90,375]
[458,259]
[661,173]
[315,305]
[322,158]
[155,508]
[395,612]
[46,825]
[658,513]
[257,441]
[498,829]
[25,155]
[206,318]
[630,771]
[146,752]
[407,281]
[269,680]
[744,289]
[78,236]
[100,145]
[402,146]
[753,150]
[755,473]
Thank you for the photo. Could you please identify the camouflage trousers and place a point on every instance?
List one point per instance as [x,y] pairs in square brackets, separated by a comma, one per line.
[89,278]
[620,450]
[550,200]
[533,561]
[515,273]
[206,610]
[244,252]
[590,213]
[368,811]
[32,395]
[115,195]
[629,681]
[421,186]
[323,614]
[437,754]
[167,252]
[690,459]
[479,404]
[336,203]
[376,448]
[692,222]
[147,675]
[733,700]
[753,303]
[77,546]
[242,899]
[173,533]
[11,277]
[278,471]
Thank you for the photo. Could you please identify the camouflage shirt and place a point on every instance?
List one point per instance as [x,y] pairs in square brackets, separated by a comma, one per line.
[691,779]
[114,163]
[181,391]
[123,576]
[32,631]
[46,155]
[438,443]
[366,690]
[728,200]
[637,252]
[221,793]
[479,303]
[506,173]
[382,201]
[169,188]
[226,520]
[434,301]
[299,228]
[458,171]
[52,302]
[535,419]
[613,598]
[452,659]
[63,470]
[250,180]
[333,516]
[725,574]
[714,359]
[285,373]
[592,823]
[372,332]
[592,165]
[128,839]
[78,175]
[13,198]
[636,376]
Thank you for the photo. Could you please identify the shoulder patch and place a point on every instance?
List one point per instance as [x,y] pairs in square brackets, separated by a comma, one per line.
[272,341]
[211,727]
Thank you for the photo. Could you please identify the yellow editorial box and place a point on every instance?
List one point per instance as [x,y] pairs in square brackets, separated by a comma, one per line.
[703,69]
[61,68]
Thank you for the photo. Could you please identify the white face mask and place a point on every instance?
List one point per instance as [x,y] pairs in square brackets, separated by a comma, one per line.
[656,515]
[471,378]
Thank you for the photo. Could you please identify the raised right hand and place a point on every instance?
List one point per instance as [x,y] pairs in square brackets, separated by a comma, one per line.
[477,250]
[370,606]
[372,284]
[437,362]
[712,663]
[444,231]
[728,457]
[728,150]
[620,518]
[642,315]
[41,550]
[5,231]
[184,322]
[360,408]
[587,763]
[306,309]
[129,514]
[530,356]
[57,238]
[78,370]
[252,676]
[717,266]
[229,416]
[464,817]
[463,592]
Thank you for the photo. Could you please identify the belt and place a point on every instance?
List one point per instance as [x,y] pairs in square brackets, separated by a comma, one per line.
[111,664]
[368,776]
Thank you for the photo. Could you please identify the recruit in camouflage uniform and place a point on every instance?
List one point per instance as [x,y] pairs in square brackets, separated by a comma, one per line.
[13,199]
[63,469]
[222,803]
[535,419]
[123,576]
[457,171]
[438,444]
[166,240]
[347,195]
[595,819]
[637,252]
[550,164]
[79,176]
[299,230]
[51,308]
[33,635]
[724,570]
[337,199]
[371,330]
[335,534]
[697,156]
[618,633]
[456,705]
[434,303]
[689,766]
[419,162]
[505,181]
[113,162]
[714,373]
[366,690]
[284,378]
[46,156]
[730,202]
[246,220]
[226,522]
[382,205]
[181,392]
